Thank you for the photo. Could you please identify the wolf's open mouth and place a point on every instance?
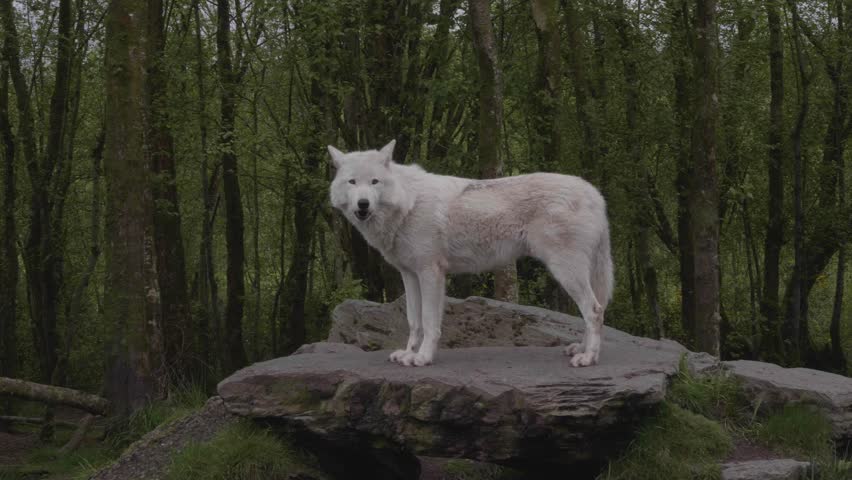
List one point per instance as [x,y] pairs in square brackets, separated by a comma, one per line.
[362,214]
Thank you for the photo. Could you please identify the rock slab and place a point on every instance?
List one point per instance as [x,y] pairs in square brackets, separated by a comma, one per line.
[776,469]
[772,386]
[483,322]
[514,406]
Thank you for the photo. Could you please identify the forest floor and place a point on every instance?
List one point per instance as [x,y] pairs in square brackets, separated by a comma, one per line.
[24,456]
[14,448]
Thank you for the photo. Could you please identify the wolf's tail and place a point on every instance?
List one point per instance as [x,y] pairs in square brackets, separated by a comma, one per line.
[602,275]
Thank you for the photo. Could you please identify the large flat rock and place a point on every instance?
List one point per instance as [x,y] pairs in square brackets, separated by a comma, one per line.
[483,322]
[772,386]
[510,405]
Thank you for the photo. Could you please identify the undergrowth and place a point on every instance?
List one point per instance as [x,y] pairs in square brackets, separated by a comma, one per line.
[704,415]
[180,403]
[677,444]
[99,448]
[242,452]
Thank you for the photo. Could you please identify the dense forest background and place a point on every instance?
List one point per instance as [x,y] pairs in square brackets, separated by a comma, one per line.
[164,181]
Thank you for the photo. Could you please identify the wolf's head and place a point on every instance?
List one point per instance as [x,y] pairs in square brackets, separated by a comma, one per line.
[364,184]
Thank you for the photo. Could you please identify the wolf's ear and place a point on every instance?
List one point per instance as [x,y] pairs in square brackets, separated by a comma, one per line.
[387,152]
[336,156]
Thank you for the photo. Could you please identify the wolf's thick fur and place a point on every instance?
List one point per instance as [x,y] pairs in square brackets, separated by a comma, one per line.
[430,225]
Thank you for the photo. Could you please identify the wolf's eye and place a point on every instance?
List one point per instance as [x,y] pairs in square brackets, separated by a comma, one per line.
[352,181]
[375,181]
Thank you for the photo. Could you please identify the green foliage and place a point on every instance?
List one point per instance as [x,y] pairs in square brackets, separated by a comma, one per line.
[717,396]
[676,444]
[181,403]
[241,452]
[701,417]
[48,462]
[798,430]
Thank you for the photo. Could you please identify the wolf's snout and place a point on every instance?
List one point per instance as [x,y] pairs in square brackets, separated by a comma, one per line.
[363,209]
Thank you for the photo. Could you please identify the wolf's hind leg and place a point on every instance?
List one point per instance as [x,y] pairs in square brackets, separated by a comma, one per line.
[432,285]
[413,311]
[573,273]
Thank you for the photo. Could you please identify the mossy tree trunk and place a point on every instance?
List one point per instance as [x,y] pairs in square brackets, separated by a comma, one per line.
[703,198]
[135,365]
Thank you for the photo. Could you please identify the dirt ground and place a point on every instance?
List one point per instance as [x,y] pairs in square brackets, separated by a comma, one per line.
[14,447]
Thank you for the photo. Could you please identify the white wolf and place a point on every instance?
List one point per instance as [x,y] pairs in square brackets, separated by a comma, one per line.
[430,225]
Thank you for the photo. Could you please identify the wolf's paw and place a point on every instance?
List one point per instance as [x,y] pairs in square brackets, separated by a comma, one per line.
[574,349]
[397,356]
[416,359]
[583,359]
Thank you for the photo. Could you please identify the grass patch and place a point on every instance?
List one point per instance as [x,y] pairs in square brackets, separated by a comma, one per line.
[181,403]
[676,444]
[47,462]
[718,396]
[462,469]
[798,430]
[241,452]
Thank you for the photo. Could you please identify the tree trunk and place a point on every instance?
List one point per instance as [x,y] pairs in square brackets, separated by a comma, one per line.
[548,87]
[640,196]
[45,246]
[256,351]
[770,307]
[9,254]
[171,264]
[491,123]
[796,295]
[582,89]
[75,306]
[131,299]
[235,353]
[209,346]
[838,358]
[703,198]
[54,395]
[681,48]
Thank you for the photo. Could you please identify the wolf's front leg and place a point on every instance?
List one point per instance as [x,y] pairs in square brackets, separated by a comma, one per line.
[412,312]
[432,283]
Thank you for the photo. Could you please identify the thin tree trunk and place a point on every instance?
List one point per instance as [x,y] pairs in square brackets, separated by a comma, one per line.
[579,77]
[641,200]
[235,353]
[208,292]
[753,279]
[255,240]
[838,358]
[491,123]
[796,295]
[704,194]
[171,262]
[681,48]
[75,306]
[44,246]
[9,254]
[135,361]
[770,307]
